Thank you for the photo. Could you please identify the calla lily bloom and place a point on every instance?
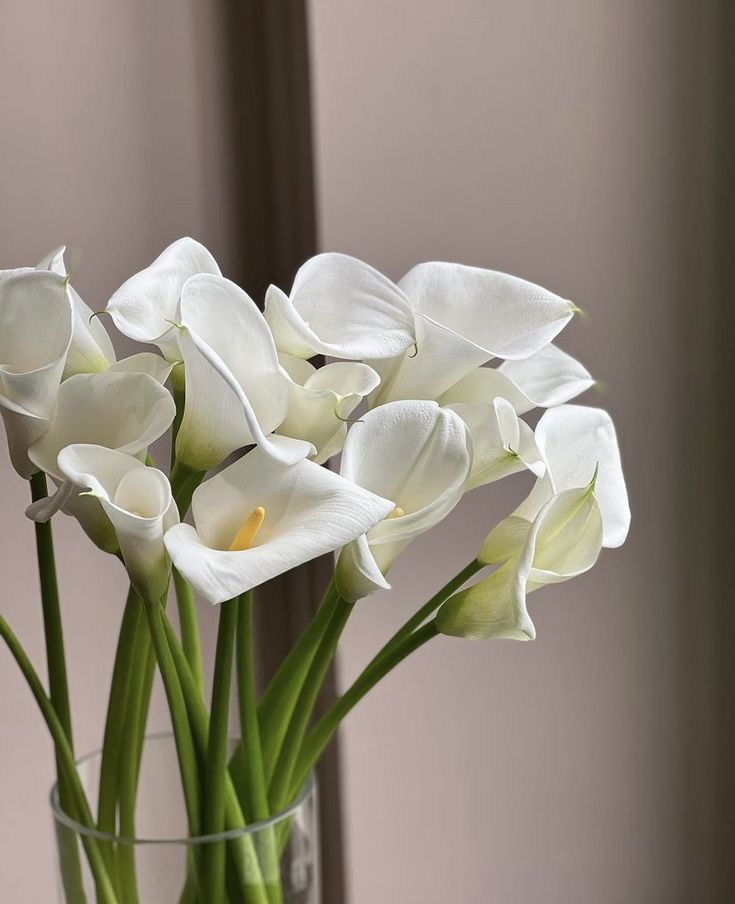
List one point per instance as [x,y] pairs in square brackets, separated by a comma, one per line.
[548,378]
[578,506]
[340,306]
[258,518]
[35,334]
[90,350]
[564,541]
[236,392]
[465,316]
[415,453]
[122,411]
[320,401]
[145,306]
[502,444]
[575,442]
[137,501]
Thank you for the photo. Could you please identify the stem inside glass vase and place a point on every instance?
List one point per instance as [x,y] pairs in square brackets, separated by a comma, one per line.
[159,864]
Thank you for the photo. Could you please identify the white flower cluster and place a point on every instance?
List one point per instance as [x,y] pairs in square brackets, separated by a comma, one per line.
[438,421]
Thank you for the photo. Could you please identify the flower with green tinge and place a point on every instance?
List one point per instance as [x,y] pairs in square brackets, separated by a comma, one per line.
[258,518]
[236,391]
[137,501]
[320,401]
[578,506]
[90,349]
[415,453]
[144,308]
[122,411]
[464,317]
[548,378]
[342,307]
[502,444]
[35,335]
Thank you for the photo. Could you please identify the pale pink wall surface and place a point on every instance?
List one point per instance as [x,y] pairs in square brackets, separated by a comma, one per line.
[110,145]
[540,139]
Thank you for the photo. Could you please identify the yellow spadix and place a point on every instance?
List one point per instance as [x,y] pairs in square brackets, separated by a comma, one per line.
[249,530]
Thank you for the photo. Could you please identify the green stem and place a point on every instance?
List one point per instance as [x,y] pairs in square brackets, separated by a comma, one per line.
[56,664]
[184,481]
[280,698]
[325,728]
[245,857]
[256,791]
[179,718]
[213,821]
[112,744]
[79,808]
[428,609]
[279,791]
[189,624]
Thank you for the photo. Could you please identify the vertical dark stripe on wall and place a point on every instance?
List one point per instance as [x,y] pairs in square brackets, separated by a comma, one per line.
[267,59]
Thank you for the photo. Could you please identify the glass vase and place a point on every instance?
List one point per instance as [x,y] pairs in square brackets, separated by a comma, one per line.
[271,862]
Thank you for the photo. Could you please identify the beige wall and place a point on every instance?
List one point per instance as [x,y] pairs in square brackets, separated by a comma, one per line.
[542,139]
[109,144]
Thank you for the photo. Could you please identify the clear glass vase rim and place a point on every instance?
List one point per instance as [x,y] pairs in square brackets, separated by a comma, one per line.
[231,834]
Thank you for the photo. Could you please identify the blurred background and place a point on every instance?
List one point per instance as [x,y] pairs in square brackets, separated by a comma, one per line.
[582,144]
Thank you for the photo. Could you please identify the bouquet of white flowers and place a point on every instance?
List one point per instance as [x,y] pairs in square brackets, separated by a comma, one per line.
[419,419]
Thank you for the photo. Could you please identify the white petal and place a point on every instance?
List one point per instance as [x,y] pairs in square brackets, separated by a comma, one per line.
[502,444]
[145,363]
[137,501]
[412,452]
[493,608]
[342,307]
[548,378]
[507,316]
[575,441]
[236,392]
[91,349]
[124,411]
[358,574]
[318,406]
[144,307]
[54,261]
[566,537]
[35,333]
[309,512]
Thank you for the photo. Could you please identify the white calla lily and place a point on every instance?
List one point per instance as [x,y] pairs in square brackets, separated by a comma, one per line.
[258,518]
[321,400]
[563,542]
[548,378]
[415,453]
[91,349]
[137,501]
[121,411]
[236,392]
[35,334]
[145,306]
[144,363]
[576,442]
[502,444]
[465,316]
[342,307]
